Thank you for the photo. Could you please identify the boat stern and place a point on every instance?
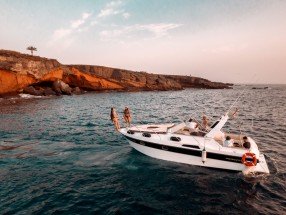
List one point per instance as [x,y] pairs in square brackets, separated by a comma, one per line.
[261,167]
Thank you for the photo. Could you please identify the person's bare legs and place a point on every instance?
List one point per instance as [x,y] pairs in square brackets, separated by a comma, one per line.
[117,125]
[128,121]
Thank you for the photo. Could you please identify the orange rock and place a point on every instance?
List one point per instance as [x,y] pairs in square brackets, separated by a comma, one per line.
[53,75]
[12,82]
[91,82]
[18,71]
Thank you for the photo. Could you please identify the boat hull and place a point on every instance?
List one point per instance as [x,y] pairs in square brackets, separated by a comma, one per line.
[197,160]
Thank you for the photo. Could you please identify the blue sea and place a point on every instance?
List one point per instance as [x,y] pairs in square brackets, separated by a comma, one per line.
[62,155]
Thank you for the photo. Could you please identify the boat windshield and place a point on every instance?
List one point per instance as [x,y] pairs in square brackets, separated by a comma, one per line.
[213,125]
[217,126]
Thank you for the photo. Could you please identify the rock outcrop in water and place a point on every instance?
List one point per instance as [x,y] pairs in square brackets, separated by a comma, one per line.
[42,76]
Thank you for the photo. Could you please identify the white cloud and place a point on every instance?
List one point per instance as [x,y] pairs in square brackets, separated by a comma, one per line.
[66,33]
[94,22]
[81,21]
[157,29]
[77,23]
[60,33]
[107,12]
[86,15]
[126,15]
[67,43]
[114,3]
[113,8]
[84,29]
[112,33]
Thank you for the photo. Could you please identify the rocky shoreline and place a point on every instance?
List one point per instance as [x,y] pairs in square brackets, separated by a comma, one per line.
[34,75]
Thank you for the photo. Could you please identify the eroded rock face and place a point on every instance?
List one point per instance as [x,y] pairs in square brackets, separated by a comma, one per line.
[146,81]
[39,91]
[19,71]
[32,91]
[78,78]
[26,64]
[61,87]
[48,91]
[77,91]
[11,81]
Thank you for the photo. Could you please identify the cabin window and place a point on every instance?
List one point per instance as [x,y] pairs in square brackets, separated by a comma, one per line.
[177,139]
[214,125]
[130,132]
[146,134]
[191,146]
[152,127]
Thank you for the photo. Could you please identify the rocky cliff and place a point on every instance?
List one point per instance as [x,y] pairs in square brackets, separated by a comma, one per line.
[19,71]
[131,80]
[147,81]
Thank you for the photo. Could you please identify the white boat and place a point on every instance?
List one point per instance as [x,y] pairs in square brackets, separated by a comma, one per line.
[184,143]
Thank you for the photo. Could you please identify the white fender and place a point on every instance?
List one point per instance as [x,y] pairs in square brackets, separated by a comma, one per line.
[204,156]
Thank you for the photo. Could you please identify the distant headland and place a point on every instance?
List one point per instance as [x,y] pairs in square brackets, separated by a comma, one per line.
[23,73]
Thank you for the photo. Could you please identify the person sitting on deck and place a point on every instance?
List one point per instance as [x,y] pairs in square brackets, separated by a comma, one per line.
[205,123]
[228,142]
[246,143]
[192,125]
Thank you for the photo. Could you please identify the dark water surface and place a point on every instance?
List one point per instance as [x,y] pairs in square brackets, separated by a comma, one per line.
[62,156]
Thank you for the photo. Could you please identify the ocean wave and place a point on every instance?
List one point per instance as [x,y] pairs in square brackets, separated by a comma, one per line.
[64,152]
[28,96]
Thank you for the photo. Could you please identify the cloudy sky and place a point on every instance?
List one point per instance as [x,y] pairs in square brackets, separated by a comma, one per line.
[241,41]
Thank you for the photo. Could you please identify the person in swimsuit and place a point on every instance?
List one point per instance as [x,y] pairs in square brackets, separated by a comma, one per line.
[127,116]
[114,118]
[205,123]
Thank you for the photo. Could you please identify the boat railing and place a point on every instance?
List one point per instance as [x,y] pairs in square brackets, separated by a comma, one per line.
[218,144]
[153,130]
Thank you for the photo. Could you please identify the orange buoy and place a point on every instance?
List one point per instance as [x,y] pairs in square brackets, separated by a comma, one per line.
[249,159]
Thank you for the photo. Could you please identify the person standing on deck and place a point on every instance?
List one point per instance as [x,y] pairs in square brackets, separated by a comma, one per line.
[127,116]
[114,118]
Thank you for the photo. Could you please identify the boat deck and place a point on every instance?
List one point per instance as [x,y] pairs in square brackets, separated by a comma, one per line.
[154,128]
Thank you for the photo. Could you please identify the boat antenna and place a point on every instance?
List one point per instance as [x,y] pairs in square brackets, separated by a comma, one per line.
[235,101]
[240,96]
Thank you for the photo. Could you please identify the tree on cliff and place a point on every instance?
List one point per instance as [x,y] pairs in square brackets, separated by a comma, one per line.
[32,49]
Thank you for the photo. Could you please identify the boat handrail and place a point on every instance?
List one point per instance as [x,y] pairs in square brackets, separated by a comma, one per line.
[141,131]
[147,131]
